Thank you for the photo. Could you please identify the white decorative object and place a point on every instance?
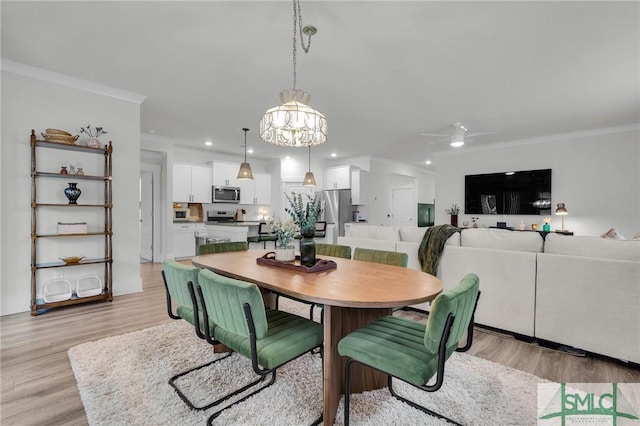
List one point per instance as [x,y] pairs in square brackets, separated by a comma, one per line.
[56,290]
[72,228]
[88,285]
[287,254]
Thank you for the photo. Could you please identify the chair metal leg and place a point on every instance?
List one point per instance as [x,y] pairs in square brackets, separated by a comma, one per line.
[347,390]
[419,407]
[184,373]
[242,389]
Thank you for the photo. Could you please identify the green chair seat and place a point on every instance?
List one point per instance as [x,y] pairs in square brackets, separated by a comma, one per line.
[381,256]
[288,336]
[394,345]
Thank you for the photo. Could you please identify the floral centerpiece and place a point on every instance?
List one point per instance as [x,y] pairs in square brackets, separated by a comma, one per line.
[305,213]
[285,229]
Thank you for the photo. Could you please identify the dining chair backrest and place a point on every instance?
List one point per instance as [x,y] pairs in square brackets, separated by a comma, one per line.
[223,247]
[225,298]
[335,250]
[460,302]
[177,276]
[381,256]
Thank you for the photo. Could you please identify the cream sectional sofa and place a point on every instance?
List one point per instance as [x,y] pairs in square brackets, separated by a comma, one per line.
[577,291]
[588,295]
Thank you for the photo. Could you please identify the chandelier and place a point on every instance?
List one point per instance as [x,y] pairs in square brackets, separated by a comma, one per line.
[294,123]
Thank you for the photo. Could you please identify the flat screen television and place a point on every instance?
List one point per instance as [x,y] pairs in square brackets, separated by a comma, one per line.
[517,192]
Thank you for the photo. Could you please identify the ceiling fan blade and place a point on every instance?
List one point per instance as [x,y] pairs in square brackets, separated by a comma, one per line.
[434,134]
[480,133]
[448,139]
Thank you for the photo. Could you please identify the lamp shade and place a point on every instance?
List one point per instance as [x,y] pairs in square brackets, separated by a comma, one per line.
[245,172]
[561,209]
[294,123]
[309,179]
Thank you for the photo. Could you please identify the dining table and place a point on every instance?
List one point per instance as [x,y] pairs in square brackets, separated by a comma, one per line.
[353,293]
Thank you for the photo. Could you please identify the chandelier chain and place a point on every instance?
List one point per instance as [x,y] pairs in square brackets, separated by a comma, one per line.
[297,23]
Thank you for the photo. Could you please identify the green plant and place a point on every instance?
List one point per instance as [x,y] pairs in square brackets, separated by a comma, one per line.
[305,213]
[453,210]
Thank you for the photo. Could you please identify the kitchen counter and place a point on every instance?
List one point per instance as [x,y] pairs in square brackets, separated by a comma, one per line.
[233,223]
[234,231]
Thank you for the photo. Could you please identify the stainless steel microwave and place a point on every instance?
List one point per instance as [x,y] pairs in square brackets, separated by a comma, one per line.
[225,194]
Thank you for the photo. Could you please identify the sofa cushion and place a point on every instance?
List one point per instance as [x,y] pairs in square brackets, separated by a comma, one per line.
[502,239]
[412,234]
[606,248]
[388,233]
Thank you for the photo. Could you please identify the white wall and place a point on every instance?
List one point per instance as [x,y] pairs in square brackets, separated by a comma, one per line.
[38,103]
[596,174]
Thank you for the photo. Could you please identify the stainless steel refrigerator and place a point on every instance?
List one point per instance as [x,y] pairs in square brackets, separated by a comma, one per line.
[337,208]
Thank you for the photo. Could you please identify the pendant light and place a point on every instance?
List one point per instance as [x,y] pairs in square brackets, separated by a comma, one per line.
[294,123]
[309,179]
[245,169]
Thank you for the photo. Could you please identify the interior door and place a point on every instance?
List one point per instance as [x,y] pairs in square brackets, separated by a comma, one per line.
[403,207]
[146,216]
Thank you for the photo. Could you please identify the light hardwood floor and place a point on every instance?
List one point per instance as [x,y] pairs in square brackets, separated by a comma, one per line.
[38,386]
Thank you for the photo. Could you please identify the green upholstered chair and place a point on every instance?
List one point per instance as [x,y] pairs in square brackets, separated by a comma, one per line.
[335,250]
[270,338]
[263,236]
[411,351]
[381,256]
[223,247]
[179,282]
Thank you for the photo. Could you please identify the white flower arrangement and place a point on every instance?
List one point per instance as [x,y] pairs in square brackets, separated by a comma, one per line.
[285,229]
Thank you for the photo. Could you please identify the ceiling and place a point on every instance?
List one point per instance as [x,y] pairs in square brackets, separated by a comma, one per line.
[381,72]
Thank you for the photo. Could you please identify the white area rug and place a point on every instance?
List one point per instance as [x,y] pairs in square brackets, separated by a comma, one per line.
[123,381]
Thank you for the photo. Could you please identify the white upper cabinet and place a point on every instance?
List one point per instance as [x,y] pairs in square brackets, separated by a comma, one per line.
[337,177]
[225,174]
[359,187]
[191,183]
[256,191]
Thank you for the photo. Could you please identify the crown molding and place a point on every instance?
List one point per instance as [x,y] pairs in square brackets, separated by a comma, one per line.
[68,81]
[546,139]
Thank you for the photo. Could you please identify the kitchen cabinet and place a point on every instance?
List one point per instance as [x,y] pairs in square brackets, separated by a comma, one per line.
[359,185]
[88,241]
[225,174]
[184,238]
[256,191]
[191,183]
[337,177]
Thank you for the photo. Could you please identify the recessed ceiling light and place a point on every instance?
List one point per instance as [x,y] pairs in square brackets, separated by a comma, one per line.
[250,150]
[333,154]
[510,173]
[427,162]
[208,143]
[287,158]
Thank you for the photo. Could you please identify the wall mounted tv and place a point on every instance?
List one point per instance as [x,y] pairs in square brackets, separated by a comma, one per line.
[513,192]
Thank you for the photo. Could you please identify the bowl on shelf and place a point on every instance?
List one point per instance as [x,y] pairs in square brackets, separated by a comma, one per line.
[58,132]
[60,138]
[72,259]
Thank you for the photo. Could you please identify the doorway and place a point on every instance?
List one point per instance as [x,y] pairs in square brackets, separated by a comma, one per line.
[145,216]
[403,206]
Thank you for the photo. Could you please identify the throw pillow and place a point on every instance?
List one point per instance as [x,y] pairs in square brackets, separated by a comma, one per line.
[612,233]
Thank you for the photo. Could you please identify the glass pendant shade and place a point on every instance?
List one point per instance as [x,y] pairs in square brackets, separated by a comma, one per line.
[245,172]
[294,123]
[309,180]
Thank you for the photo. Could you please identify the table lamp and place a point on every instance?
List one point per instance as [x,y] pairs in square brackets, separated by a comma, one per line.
[561,210]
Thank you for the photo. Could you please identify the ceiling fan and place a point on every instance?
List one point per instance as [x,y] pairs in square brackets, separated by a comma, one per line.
[457,136]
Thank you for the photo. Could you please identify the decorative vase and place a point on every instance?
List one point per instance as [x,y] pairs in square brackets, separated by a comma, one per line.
[308,248]
[454,220]
[546,227]
[285,252]
[80,172]
[94,143]
[72,192]
[63,170]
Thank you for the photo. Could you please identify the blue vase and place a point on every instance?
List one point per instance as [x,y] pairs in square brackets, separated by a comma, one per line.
[72,192]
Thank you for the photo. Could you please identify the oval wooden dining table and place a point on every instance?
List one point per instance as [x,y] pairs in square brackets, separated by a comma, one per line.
[353,294]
